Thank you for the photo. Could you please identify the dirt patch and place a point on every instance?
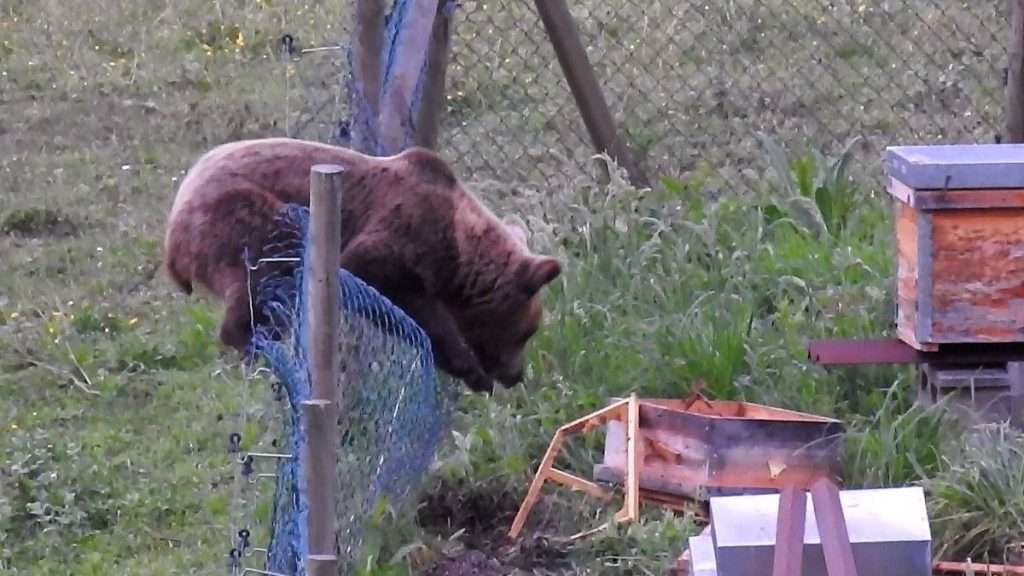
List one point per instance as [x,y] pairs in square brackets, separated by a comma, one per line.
[484,516]
[38,223]
[469,563]
[533,555]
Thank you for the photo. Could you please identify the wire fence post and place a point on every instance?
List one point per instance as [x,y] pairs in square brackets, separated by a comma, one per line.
[321,410]
[1015,75]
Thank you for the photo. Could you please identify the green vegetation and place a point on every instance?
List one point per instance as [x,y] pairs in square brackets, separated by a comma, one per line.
[118,401]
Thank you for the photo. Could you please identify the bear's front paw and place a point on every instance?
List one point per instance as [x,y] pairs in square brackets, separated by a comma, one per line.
[470,372]
[479,382]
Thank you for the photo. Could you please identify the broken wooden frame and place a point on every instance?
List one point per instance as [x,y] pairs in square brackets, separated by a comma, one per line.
[976,568]
[665,451]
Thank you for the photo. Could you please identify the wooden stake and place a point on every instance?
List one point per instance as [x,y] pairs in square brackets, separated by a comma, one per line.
[433,105]
[572,56]
[368,48]
[321,410]
[789,532]
[367,73]
[395,124]
[1015,75]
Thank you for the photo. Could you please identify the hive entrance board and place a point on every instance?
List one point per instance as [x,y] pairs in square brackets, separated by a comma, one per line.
[668,451]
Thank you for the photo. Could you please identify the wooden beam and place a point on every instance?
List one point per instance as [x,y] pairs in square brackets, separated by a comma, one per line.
[789,532]
[544,470]
[835,538]
[577,483]
[369,48]
[538,482]
[634,447]
[1015,377]
[433,104]
[321,410]
[671,501]
[367,75]
[572,56]
[399,89]
[1015,75]
[976,568]
[614,411]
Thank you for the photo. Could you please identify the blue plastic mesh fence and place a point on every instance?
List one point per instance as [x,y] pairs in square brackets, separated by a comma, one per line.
[395,405]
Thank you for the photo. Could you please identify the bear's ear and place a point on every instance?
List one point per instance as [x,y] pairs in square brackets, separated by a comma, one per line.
[538,272]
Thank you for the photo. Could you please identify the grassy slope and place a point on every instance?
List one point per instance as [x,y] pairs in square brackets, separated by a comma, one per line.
[117,401]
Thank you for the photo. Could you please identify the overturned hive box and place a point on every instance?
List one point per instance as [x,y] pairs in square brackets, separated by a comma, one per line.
[959,212]
[707,447]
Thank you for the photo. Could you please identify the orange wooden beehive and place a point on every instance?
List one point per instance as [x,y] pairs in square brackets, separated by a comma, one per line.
[959,213]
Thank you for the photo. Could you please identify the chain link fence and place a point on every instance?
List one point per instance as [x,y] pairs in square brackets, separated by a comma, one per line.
[690,83]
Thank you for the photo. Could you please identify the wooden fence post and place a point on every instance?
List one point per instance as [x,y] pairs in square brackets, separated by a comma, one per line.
[572,56]
[399,88]
[432,107]
[321,410]
[368,72]
[367,49]
[1015,75]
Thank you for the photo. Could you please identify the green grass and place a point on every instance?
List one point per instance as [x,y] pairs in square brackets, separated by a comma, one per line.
[118,401]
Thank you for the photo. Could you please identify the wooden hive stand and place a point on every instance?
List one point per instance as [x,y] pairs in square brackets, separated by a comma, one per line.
[959,214]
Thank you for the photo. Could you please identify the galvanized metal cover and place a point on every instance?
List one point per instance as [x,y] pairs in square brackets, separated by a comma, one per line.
[957,166]
[888,530]
[702,556]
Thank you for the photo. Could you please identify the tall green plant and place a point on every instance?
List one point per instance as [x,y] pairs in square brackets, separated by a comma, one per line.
[816,190]
[977,502]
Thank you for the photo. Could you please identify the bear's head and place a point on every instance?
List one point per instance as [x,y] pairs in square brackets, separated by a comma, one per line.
[499,326]
[496,293]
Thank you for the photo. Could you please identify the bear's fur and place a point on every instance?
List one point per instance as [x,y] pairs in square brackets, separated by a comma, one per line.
[410,229]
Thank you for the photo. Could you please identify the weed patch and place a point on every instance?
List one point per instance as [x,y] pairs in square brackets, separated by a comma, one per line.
[38,223]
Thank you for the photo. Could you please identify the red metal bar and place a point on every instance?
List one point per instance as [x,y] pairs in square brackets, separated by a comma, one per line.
[838,352]
[893,351]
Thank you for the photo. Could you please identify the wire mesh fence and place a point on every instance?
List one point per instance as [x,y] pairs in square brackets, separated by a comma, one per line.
[691,83]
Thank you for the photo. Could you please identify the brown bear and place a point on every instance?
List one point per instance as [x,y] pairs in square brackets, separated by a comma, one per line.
[410,229]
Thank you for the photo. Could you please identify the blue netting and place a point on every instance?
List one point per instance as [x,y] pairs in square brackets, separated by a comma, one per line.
[395,406]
